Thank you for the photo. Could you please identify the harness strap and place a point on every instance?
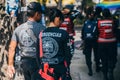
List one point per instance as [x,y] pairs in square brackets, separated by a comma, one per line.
[44,73]
[46,76]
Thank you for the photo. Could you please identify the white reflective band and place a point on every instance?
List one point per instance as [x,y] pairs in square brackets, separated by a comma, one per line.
[63,28]
[71,34]
[106,40]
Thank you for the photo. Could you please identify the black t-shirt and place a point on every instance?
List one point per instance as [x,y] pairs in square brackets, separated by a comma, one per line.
[56,46]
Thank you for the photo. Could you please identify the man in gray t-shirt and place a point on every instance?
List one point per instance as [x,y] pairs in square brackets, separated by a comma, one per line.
[25,38]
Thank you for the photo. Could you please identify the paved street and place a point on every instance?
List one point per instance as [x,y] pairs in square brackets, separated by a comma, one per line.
[79,69]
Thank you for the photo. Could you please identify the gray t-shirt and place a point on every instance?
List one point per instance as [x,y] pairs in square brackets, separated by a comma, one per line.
[26,35]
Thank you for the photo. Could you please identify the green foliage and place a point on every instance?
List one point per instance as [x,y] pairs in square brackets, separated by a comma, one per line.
[78,21]
[89,3]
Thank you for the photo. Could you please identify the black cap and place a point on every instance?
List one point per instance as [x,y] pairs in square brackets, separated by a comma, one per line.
[34,6]
[70,7]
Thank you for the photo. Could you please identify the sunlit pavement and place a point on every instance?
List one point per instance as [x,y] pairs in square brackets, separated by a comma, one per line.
[79,70]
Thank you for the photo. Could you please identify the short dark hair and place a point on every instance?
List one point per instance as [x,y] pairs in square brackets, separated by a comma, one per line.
[55,13]
[98,10]
[33,7]
[89,10]
[106,13]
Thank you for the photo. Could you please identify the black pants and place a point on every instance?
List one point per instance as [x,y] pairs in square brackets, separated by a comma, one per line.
[72,44]
[30,68]
[88,47]
[108,54]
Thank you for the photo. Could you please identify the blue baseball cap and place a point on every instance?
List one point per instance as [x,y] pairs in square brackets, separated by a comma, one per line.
[34,6]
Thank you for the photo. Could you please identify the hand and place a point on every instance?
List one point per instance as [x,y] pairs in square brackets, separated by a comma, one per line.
[78,46]
[10,71]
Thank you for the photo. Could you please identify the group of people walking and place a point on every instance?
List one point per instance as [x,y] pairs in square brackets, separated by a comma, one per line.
[99,34]
[46,52]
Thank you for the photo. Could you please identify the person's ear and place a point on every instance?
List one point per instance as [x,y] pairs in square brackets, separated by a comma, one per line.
[38,14]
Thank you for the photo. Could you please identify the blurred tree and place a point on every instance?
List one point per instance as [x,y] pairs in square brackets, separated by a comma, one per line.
[59,4]
[43,2]
[23,13]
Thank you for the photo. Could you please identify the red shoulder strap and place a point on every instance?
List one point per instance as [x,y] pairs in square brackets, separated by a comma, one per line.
[40,45]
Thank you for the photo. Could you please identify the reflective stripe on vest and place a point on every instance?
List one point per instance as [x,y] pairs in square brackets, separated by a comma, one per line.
[68,25]
[106,40]
[106,31]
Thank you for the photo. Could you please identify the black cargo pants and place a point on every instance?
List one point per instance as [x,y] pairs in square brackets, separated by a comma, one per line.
[108,55]
[30,68]
[87,51]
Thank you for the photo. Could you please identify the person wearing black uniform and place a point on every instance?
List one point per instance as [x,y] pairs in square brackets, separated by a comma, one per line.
[89,36]
[68,24]
[25,39]
[69,16]
[107,44]
[56,46]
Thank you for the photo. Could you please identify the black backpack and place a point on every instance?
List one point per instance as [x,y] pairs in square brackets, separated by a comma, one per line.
[90,31]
